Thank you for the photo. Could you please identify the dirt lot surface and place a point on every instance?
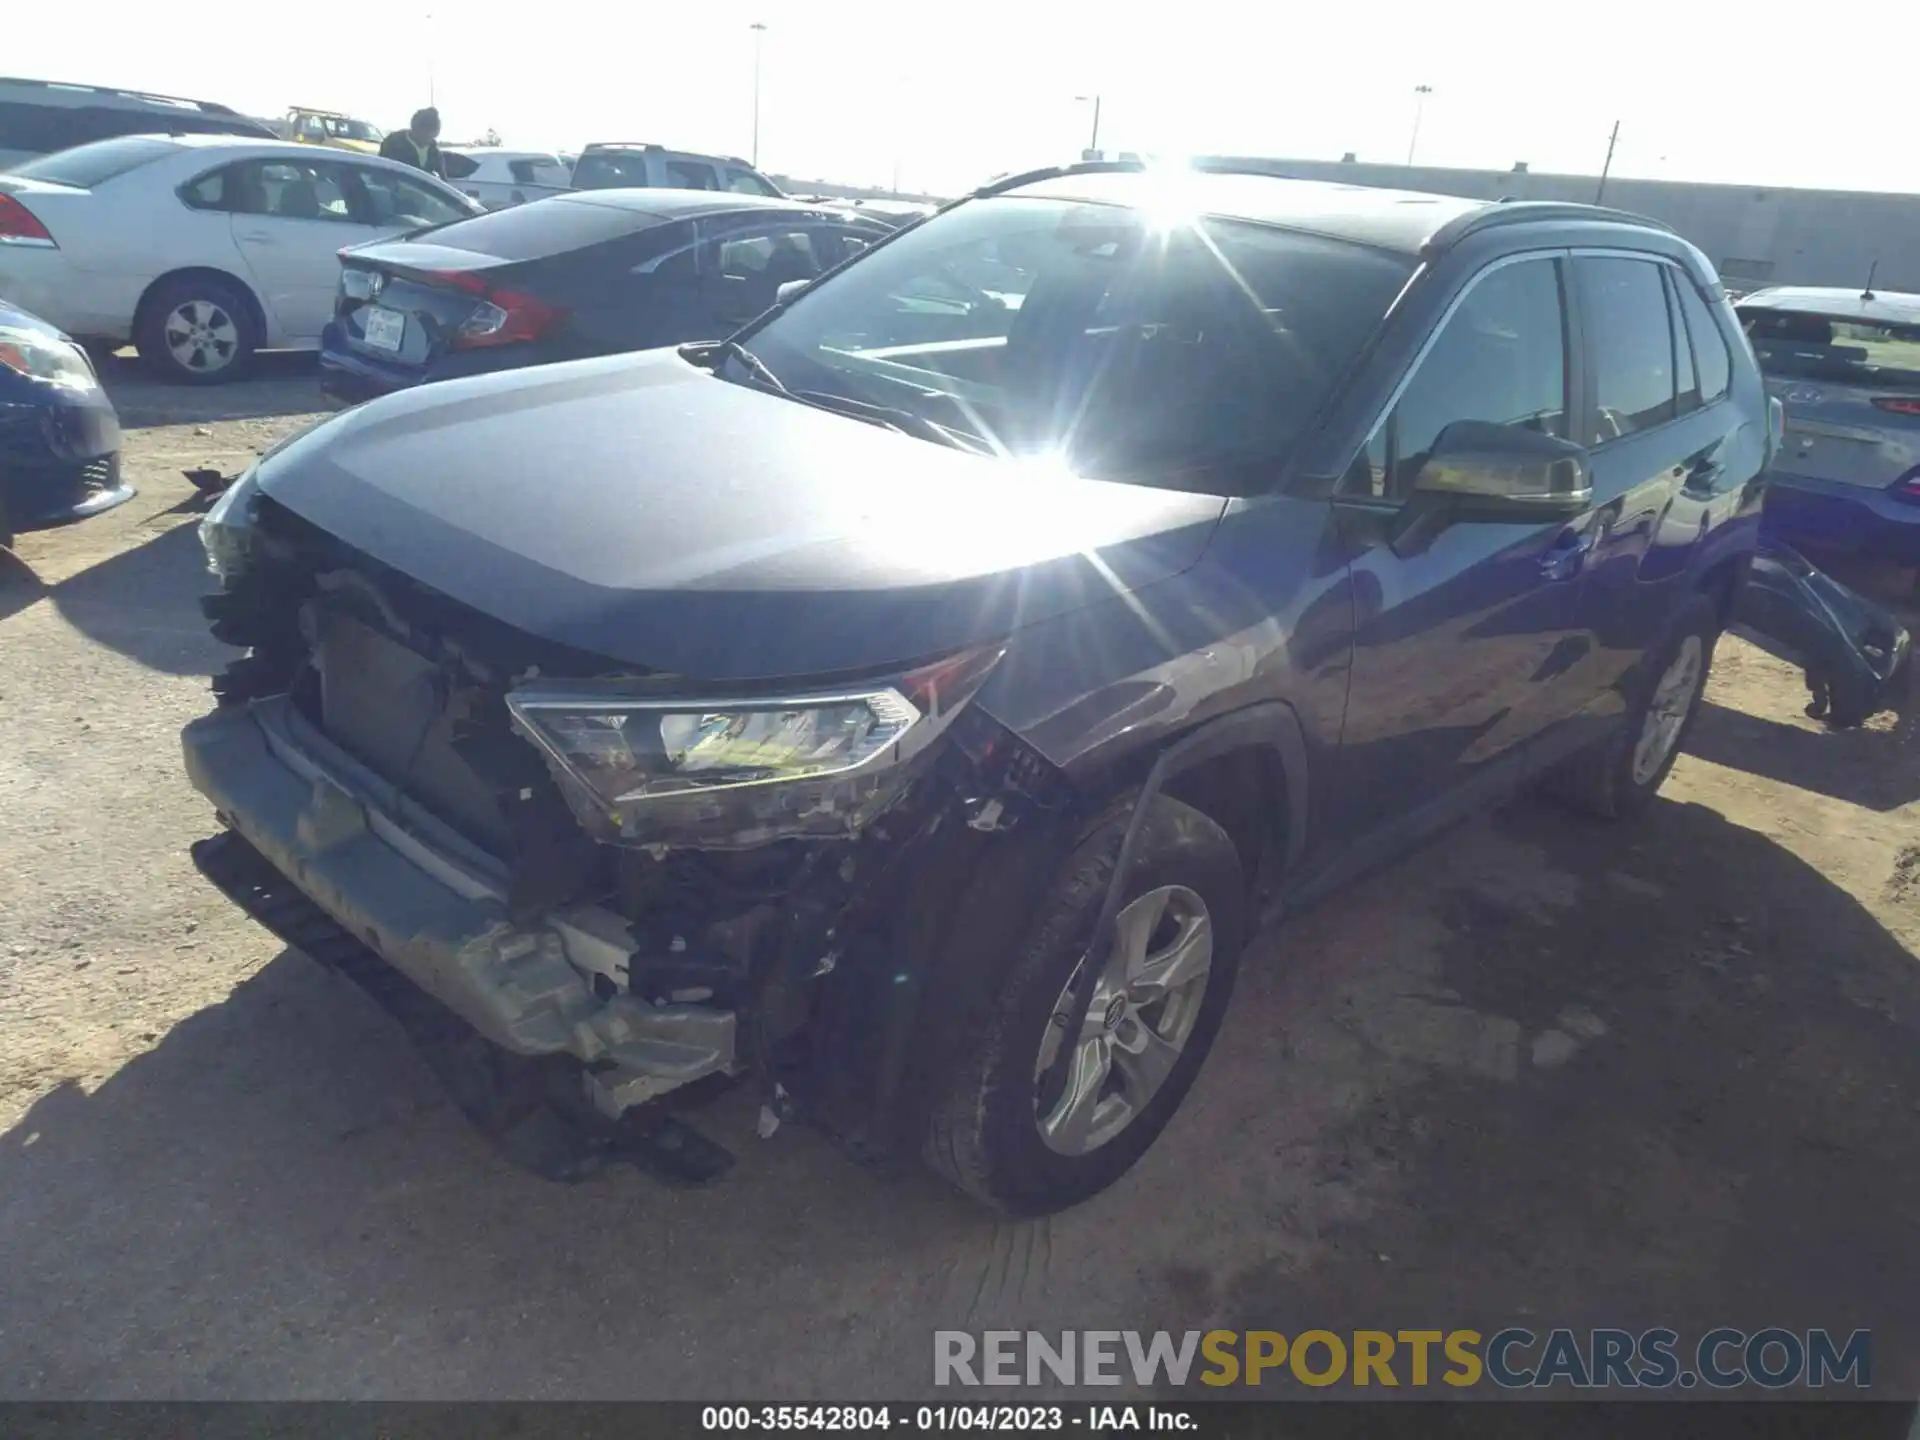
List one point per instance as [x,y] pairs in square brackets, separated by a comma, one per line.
[1546,1072]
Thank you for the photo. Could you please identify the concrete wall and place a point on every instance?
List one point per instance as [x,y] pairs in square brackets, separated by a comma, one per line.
[1756,235]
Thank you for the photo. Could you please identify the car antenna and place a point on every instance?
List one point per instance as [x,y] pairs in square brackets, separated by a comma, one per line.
[1872,270]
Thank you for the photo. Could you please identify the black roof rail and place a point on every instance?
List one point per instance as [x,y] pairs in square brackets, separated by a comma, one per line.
[1051,172]
[209,106]
[1504,211]
[621,145]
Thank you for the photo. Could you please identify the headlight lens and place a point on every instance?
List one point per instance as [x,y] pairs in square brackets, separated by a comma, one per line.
[40,356]
[226,529]
[735,773]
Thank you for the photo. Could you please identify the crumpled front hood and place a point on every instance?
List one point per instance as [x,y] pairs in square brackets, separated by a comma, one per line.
[642,509]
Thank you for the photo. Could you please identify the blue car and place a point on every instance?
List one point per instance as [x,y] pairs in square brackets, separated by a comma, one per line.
[1845,366]
[59,436]
[909,704]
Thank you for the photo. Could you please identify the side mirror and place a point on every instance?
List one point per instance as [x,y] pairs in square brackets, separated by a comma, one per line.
[1502,472]
[1493,474]
[788,290]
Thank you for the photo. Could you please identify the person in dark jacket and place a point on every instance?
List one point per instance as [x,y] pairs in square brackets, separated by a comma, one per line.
[417,145]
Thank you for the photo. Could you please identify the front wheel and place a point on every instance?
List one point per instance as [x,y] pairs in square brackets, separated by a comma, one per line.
[1618,777]
[1002,1133]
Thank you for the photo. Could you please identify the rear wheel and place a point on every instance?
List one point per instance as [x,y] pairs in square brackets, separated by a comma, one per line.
[1619,776]
[1156,1003]
[197,329]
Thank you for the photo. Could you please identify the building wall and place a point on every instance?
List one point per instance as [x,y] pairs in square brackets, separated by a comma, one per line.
[1755,235]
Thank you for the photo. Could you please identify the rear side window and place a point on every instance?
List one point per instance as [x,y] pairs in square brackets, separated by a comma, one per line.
[1806,346]
[1501,358]
[690,175]
[90,165]
[537,172]
[745,182]
[1623,306]
[1712,364]
[610,170]
[545,227]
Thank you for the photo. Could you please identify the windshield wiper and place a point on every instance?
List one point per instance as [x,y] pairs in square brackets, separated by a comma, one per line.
[710,352]
[907,422]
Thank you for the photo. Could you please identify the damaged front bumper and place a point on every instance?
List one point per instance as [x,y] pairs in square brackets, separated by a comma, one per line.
[433,905]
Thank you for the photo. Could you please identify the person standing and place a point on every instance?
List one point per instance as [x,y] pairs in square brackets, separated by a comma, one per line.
[418,144]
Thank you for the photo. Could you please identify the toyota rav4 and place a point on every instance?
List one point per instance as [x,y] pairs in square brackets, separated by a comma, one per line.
[911,705]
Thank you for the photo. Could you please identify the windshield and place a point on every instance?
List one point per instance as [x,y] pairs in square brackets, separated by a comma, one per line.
[1192,355]
[352,130]
[1806,346]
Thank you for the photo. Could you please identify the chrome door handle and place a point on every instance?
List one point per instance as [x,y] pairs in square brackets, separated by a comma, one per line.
[1569,554]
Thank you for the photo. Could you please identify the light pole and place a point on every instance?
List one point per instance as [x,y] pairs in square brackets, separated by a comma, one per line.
[1420,93]
[1094,100]
[759,30]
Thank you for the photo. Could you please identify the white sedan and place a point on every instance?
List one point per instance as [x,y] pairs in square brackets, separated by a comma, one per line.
[200,249]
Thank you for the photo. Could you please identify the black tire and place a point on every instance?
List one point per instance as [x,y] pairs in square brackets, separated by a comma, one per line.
[1601,779]
[227,311]
[984,1133]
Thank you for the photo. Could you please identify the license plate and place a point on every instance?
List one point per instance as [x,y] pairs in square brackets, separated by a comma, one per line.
[382,328]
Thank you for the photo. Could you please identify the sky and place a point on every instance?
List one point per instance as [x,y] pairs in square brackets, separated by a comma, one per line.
[943,96]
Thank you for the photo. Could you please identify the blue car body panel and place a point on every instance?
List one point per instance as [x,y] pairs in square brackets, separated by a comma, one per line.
[59,445]
[1804,510]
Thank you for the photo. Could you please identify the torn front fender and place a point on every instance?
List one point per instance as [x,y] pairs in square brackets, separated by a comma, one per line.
[1853,650]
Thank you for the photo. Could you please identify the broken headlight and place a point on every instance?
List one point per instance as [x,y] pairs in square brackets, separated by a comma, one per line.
[731,773]
[226,529]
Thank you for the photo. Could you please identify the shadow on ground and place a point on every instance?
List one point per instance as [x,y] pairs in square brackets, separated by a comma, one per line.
[19,585]
[143,602]
[282,383]
[276,1200]
[1741,1146]
[1876,768]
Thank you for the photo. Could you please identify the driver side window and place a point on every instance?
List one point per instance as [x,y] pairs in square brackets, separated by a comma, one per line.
[1500,358]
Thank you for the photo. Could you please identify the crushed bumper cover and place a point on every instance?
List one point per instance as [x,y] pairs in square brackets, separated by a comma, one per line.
[433,906]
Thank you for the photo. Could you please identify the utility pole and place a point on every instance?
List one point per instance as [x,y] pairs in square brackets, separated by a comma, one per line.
[759,30]
[1612,140]
[430,103]
[1420,93]
[1093,143]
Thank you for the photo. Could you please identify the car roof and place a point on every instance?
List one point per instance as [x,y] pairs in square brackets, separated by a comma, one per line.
[1406,221]
[683,204]
[1887,307]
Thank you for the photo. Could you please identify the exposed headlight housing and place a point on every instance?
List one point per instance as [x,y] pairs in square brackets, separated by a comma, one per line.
[43,357]
[730,773]
[226,529]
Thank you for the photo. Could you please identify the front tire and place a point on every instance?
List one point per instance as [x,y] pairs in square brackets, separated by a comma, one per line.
[1157,1005]
[198,330]
[1618,777]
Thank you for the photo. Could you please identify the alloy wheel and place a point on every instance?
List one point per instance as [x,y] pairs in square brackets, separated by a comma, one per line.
[1667,712]
[1146,1000]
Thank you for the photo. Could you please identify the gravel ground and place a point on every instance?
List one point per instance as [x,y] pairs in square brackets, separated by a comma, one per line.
[1546,1072]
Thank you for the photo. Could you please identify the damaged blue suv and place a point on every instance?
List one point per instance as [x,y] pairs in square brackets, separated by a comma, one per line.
[910,705]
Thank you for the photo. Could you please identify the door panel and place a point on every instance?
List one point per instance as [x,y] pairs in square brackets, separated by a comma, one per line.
[1467,643]
[1658,454]
[289,221]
